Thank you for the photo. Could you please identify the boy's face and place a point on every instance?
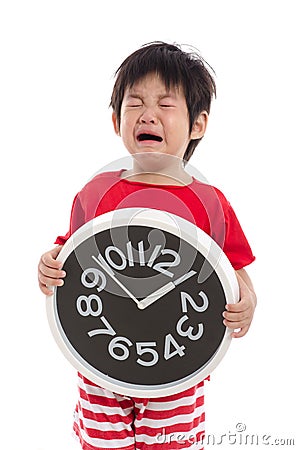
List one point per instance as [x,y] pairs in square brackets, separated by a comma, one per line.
[154,119]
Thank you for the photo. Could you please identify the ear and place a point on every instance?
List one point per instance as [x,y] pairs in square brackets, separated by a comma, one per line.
[115,123]
[199,126]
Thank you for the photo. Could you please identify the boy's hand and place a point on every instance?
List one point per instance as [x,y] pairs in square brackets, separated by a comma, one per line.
[239,315]
[49,271]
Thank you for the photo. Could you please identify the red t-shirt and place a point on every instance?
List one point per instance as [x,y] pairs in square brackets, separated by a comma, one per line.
[199,203]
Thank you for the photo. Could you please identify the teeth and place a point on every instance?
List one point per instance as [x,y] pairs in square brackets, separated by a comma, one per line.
[149,137]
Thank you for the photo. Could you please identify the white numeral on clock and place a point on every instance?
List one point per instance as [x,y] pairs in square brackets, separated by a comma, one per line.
[120,254]
[170,342]
[85,305]
[144,347]
[107,330]
[95,275]
[118,259]
[117,344]
[185,297]
[119,348]
[189,332]
[160,266]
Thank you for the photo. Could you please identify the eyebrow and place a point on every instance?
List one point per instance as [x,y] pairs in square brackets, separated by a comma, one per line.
[160,97]
[133,96]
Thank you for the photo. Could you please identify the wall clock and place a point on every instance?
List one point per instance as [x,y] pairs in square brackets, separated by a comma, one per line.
[140,311]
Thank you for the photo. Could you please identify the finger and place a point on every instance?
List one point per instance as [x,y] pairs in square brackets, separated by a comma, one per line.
[235,324]
[48,261]
[49,258]
[44,289]
[48,281]
[51,273]
[242,332]
[242,305]
[236,317]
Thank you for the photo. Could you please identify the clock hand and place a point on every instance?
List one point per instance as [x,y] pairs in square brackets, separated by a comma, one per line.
[164,290]
[101,262]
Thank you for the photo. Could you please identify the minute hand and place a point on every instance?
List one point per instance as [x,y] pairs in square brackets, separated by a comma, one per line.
[164,290]
[101,262]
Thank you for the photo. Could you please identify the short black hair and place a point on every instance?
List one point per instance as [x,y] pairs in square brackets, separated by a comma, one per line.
[176,68]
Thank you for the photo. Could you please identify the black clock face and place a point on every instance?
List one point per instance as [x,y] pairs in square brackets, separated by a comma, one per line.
[136,310]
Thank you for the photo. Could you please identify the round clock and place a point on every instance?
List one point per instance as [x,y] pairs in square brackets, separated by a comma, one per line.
[140,311]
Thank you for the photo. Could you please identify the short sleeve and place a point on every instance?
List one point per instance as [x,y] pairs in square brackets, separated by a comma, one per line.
[77,219]
[236,246]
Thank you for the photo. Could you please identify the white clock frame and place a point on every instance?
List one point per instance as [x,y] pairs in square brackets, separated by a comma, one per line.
[183,229]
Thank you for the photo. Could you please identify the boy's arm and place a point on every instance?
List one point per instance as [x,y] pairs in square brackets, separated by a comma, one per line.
[49,271]
[239,315]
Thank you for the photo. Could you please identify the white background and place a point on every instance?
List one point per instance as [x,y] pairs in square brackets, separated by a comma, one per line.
[57,63]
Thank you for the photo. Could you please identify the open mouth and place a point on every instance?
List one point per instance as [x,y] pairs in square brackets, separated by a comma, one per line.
[149,137]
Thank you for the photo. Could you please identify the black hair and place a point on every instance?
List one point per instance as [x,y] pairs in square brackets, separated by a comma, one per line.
[176,68]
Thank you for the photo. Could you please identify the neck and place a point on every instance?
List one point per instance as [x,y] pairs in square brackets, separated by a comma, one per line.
[175,176]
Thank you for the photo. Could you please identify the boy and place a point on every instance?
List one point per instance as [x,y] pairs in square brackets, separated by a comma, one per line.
[161,101]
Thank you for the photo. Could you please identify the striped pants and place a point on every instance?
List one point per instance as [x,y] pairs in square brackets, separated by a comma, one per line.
[105,420]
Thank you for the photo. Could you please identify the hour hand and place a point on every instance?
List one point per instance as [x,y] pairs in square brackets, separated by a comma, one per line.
[101,262]
[164,290]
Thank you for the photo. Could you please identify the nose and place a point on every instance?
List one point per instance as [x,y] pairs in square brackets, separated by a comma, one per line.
[148,116]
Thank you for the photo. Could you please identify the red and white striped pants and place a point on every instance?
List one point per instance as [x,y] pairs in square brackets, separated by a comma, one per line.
[105,420]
